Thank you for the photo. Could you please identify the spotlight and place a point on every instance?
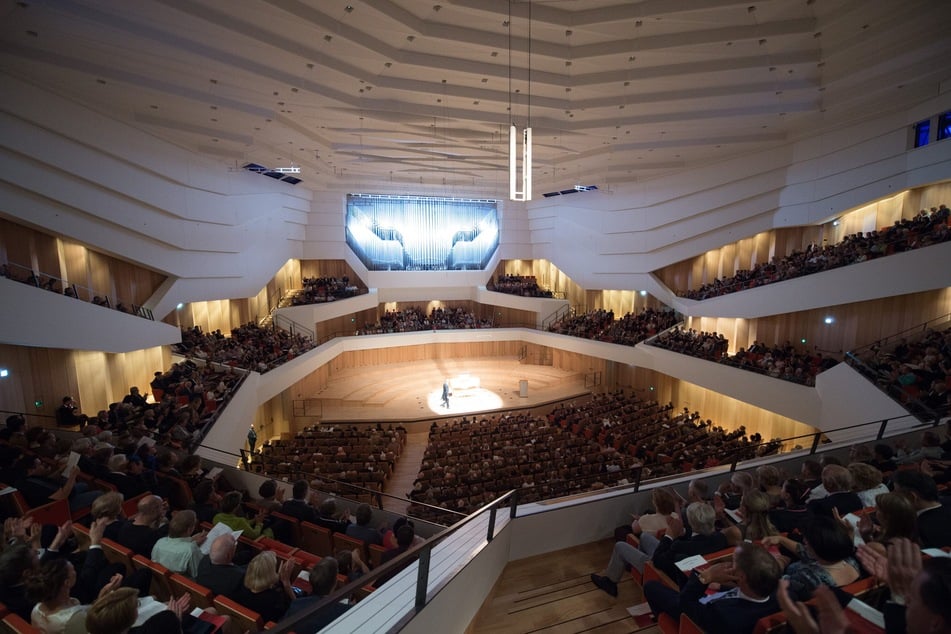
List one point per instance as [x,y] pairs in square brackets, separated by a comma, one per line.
[829,320]
[180,306]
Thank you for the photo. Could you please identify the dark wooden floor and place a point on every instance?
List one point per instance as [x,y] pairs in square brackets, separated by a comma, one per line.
[553,593]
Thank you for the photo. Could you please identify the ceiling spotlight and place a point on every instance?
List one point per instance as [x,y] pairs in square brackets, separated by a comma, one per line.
[829,320]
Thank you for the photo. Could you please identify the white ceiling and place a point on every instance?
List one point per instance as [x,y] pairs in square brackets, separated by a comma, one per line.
[412,95]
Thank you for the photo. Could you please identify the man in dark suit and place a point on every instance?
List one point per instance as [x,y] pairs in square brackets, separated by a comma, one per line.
[148,525]
[217,570]
[362,529]
[934,518]
[756,574]
[676,544]
[299,506]
[837,481]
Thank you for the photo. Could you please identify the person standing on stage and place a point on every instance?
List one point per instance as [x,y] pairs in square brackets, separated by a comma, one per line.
[252,438]
[445,393]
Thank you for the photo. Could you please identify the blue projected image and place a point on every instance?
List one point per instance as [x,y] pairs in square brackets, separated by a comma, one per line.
[412,233]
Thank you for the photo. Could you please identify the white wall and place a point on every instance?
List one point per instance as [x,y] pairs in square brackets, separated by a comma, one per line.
[611,239]
[220,234]
[35,317]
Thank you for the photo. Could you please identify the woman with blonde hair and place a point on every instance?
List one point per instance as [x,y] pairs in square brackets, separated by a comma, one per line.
[754,511]
[109,505]
[866,482]
[267,589]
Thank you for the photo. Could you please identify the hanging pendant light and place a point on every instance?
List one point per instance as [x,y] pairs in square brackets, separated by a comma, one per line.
[525,193]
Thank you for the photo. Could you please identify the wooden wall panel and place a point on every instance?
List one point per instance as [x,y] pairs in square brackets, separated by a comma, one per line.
[326,268]
[855,325]
[94,379]
[548,276]
[745,253]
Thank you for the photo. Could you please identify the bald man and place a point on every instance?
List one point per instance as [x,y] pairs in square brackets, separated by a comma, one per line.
[147,526]
[217,570]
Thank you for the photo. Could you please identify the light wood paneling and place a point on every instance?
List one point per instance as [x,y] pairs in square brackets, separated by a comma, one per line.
[745,253]
[547,275]
[855,325]
[723,411]
[92,272]
[94,379]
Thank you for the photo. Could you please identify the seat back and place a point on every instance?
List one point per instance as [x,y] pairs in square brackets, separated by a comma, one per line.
[687,626]
[286,528]
[376,555]
[266,543]
[17,625]
[342,541]
[316,539]
[242,619]
[202,597]
[56,513]
[160,588]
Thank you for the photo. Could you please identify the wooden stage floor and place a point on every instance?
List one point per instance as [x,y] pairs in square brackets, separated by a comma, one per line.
[412,391]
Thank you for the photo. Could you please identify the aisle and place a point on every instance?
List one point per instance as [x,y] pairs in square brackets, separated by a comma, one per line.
[404,474]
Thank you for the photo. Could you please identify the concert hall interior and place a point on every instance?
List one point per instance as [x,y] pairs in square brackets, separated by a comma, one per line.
[297,217]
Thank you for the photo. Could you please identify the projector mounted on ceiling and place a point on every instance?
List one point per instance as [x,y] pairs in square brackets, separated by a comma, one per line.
[573,190]
[277,173]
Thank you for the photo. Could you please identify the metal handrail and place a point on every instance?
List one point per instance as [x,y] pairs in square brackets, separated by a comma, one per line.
[422,551]
[918,329]
[45,281]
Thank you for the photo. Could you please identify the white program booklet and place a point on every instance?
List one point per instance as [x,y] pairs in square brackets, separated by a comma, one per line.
[217,531]
[689,563]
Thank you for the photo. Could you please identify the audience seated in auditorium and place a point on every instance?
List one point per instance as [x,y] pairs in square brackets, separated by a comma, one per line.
[825,557]
[180,551]
[934,518]
[917,370]
[629,330]
[146,527]
[323,580]
[217,570]
[523,285]
[413,319]
[318,290]
[923,230]
[837,481]
[755,574]
[232,515]
[667,550]
[250,347]
[267,588]
[363,529]
[895,517]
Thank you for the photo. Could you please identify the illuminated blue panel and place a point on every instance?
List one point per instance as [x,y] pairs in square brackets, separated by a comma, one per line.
[417,233]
